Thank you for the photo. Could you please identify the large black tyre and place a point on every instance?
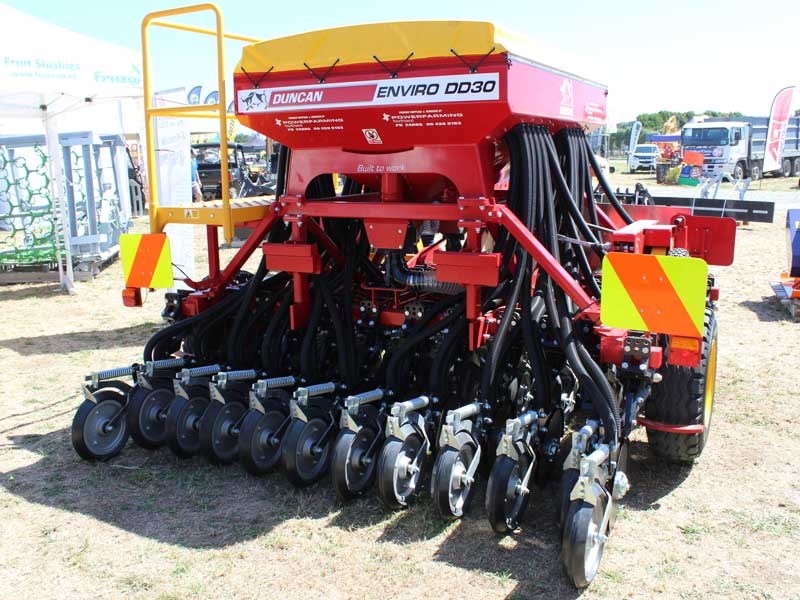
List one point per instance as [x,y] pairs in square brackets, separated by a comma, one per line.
[146,414]
[738,171]
[505,505]
[786,167]
[796,166]
[98,431]
[755,171]
[685,397]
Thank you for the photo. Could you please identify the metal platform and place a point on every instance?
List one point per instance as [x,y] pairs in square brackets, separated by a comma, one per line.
[213,212]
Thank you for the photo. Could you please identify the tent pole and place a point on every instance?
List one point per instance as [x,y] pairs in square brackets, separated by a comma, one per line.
[56,178]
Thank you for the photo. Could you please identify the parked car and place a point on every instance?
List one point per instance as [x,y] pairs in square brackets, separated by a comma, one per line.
[644,156]
[210,171]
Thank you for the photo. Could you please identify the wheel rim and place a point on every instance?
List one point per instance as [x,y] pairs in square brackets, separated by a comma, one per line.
[360,465]
[265,446]
[224,438]
[101,435]
[152,422]
[189,422]
[308,461]
[711,378]
[406,473]
[514,498]
[594,545]
[458,489]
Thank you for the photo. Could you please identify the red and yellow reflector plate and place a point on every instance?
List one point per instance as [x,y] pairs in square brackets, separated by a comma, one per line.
[659,294]
[146,260]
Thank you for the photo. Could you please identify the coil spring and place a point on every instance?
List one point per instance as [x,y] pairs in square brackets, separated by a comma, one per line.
[239,375]
[167,363]
[279,382]
[321,388]
[112,373]
[201,371]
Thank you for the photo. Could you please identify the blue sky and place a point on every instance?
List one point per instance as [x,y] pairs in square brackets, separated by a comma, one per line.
[678,55]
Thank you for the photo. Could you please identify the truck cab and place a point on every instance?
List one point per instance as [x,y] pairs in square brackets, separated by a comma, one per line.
[724,146]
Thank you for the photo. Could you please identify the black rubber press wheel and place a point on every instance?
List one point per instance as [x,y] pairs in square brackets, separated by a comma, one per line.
[183,422]
[399,471]
[147,414]
[505,502]
[451,494]
[306,456]
[260,444]
[99,431]
[219,431]
[352,464]
[582,542]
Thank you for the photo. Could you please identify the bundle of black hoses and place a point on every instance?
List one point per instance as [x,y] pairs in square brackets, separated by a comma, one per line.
[552,213]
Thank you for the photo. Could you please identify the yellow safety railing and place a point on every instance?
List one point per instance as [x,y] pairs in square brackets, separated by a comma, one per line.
[198,214]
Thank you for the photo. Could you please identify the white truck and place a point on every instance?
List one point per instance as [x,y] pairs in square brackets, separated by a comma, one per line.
[737,146]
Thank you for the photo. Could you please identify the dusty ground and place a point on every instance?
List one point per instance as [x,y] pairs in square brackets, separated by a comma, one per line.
[148,525]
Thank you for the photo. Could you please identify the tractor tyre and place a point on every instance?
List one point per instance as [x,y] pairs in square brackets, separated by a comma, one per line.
[685,396]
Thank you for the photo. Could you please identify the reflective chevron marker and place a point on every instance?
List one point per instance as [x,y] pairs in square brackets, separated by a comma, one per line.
[146,260]
[659,294]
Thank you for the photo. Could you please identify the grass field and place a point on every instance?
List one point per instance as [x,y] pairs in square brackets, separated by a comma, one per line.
[148,525]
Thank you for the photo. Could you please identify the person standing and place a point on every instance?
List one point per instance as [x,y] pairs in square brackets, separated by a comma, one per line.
[197,187]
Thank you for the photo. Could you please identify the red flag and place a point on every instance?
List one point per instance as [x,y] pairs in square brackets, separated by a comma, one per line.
[776,130]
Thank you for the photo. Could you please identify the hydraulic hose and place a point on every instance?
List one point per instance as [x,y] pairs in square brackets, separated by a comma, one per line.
[180,326]
[599,401]
[416,339]
[234,336]
[341,345]
[271,338]
[308,363]
[418,279]
[443,358]
[601,177]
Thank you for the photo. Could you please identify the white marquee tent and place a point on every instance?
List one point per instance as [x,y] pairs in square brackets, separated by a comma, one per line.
[53,79]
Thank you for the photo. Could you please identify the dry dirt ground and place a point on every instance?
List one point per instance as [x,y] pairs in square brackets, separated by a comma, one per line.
[623,178]
[148,525]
